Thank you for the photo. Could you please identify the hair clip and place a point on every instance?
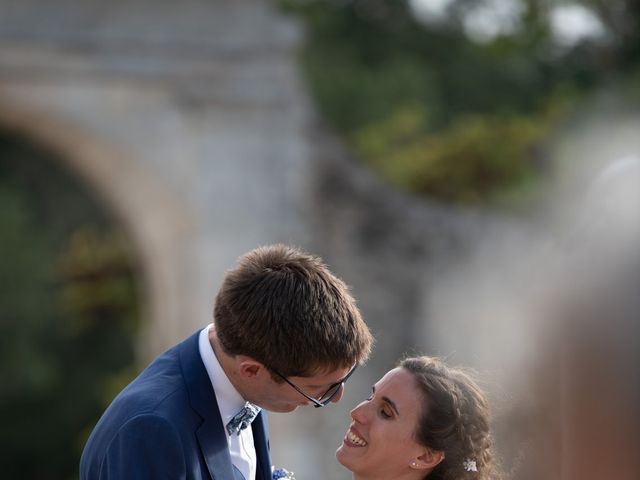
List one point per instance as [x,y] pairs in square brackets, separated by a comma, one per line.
[470,465]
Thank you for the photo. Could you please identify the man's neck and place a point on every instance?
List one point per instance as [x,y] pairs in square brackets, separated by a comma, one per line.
[227,362]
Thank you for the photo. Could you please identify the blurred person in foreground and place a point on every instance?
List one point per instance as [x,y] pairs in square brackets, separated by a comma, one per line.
[422,420]
[578,417]
[286,333]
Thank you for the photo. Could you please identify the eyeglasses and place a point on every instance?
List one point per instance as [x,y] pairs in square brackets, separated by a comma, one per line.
[327,396]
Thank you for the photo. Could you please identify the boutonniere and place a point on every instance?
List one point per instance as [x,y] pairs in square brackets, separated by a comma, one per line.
[281,474]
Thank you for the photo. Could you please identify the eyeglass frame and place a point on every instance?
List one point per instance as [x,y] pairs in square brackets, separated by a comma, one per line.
[319,403]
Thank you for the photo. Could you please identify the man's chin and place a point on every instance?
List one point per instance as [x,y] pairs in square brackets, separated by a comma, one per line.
[278,407]
[284,408]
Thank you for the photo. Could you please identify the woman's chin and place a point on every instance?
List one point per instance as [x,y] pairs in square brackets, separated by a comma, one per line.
[344,457]
[341,454]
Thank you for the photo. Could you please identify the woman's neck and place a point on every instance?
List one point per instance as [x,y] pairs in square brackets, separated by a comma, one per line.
[412,475]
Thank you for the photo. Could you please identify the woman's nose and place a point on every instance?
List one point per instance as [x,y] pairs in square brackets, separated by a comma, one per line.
[359,413]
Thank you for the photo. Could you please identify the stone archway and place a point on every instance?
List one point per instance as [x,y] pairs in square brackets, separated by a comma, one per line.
[157,224]
[188,120]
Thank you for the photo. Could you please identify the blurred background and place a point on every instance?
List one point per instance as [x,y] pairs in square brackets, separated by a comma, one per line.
[469,167]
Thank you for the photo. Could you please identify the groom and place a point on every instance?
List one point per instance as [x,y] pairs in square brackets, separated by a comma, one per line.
[286,333]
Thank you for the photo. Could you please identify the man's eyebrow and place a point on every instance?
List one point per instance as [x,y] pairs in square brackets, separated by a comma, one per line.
[324,385]
[387,400]
[328,385]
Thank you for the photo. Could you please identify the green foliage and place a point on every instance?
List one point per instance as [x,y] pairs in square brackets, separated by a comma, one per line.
[440,114]
[371,94]
[26,266]
[468,162]
[69,314]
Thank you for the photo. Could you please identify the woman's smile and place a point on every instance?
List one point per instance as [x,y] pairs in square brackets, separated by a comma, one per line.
[354,439]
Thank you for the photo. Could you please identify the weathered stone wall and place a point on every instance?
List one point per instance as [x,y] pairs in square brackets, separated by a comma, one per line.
[185,116]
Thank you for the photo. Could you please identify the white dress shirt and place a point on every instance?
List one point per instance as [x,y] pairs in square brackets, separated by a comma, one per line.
[241,447]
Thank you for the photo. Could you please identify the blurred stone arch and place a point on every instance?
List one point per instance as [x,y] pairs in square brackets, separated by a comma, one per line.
[155,223]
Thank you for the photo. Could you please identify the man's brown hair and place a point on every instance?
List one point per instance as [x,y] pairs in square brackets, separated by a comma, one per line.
[283,307]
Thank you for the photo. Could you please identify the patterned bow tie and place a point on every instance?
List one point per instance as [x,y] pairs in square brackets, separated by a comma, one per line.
[243,418]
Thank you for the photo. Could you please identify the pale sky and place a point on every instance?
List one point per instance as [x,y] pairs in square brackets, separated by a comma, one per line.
[569,22]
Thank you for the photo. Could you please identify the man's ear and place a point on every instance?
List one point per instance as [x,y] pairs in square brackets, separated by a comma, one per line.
[428,460]
[250,368]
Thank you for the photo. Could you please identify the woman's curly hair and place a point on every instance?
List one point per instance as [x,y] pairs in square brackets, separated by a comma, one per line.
[454,420]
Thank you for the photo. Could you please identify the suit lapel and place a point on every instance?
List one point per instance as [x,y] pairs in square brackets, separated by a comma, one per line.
[214,448]
[261,442]
[211,436]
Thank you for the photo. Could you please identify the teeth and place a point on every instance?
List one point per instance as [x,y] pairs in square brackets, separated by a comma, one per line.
[353,438]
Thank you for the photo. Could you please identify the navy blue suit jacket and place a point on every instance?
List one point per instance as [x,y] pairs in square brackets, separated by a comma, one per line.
[166,425]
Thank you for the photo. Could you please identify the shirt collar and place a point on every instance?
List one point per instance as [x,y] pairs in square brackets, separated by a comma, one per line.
[229,400]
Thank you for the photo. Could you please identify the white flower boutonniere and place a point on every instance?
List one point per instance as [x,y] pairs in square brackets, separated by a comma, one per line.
[281,474]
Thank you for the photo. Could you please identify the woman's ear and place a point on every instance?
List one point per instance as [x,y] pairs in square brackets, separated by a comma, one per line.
[429,459]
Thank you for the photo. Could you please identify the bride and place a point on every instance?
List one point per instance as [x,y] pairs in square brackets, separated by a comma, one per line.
[422,420]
